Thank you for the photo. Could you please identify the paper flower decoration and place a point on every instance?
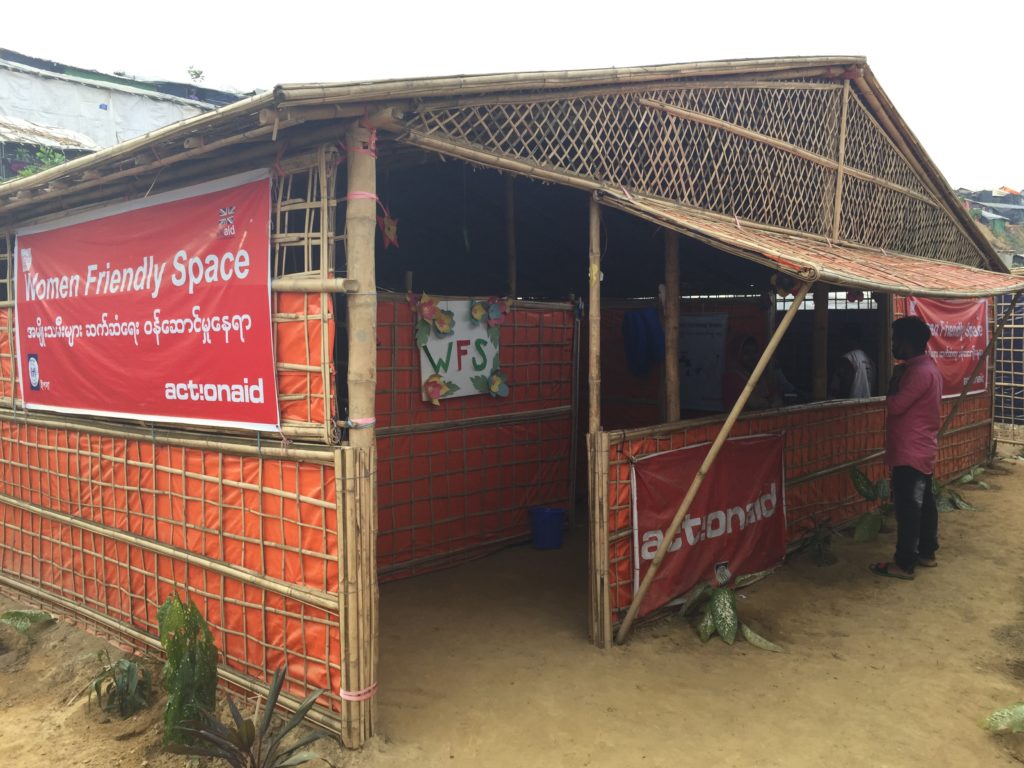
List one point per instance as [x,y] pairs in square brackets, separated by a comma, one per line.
[478,312]
[498,384]
[430,315]
[435,388]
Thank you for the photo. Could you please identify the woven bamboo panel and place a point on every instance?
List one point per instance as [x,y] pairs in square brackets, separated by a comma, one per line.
[885,218]
[766,153]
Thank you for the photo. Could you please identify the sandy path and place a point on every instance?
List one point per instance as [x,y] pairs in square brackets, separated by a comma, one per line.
[487,665]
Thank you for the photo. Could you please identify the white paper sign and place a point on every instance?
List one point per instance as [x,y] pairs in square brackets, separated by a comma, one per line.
[466,362]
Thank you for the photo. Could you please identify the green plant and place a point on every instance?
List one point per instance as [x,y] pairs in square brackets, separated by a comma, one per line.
[720,617]
[815,536]
[947,499]
[26,622]
[971,477]
[124,684]
[44,157]
[246,743]
[190,674]
[870,523]
[1007,720]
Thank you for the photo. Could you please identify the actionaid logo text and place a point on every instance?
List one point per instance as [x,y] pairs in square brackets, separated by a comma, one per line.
[714,524]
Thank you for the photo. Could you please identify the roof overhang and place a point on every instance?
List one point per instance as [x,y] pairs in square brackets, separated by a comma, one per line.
[812,259]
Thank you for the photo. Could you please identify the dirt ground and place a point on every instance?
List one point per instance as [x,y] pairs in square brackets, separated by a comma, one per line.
[488,665]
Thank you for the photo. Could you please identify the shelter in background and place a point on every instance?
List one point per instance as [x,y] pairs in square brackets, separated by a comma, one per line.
[105,109]
[577,196]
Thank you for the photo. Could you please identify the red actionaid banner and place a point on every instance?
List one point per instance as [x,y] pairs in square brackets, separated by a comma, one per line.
[156,309]
[736,526]
[959,338]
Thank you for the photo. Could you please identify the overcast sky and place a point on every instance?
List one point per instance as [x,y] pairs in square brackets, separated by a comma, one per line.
[955,74]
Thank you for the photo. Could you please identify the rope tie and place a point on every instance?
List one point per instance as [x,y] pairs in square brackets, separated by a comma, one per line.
[363,695]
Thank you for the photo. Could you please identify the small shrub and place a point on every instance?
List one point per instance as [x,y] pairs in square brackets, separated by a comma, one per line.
[190,674]
[1007,720]
[720,618]
[26,622]
[870,523]
[246,743]
[123,686]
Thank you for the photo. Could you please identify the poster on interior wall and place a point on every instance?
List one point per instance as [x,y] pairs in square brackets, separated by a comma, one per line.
[959,338]
[155,309]
[459,341]
[702,360]
[736,525]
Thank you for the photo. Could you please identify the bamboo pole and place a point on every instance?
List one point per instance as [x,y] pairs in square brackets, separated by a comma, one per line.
[360,615]
[595,585]
[884,348]
[672,392]
[819,385]
[723,434]
[594,321]
[314,284]
[977,366]
[510,235]
[528,417]
[837,205]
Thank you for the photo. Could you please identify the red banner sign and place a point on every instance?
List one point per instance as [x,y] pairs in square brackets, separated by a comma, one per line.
[157,309]
[736,526]
[959,338]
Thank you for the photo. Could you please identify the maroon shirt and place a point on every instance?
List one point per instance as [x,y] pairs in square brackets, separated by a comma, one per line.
[912,416]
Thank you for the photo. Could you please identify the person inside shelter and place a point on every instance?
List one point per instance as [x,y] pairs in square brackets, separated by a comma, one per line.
[855,375]
[771,391]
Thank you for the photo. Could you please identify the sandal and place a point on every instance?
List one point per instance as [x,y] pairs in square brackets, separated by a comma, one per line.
[928,562]
[890,569]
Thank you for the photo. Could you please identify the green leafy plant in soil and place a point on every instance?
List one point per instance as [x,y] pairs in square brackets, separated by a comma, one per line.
[815,536]
[190,673]
[251,742]
[720,617]
[1007,720]
[870,523]
[123,686]
[26,622]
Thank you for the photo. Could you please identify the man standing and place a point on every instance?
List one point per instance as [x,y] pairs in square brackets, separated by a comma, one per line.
[911,442]
[855,373]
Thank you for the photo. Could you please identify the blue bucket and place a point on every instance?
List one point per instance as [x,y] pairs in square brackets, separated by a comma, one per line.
[546,526]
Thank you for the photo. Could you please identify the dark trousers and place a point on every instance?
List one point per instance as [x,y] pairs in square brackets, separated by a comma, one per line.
[917,519]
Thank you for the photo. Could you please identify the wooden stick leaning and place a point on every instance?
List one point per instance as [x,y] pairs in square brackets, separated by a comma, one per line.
[723,434]
[977,366]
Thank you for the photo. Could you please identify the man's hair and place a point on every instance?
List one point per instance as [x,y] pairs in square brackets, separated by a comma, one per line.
[913,330]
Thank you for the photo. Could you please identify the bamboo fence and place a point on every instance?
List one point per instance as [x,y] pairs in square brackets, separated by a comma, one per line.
[1008,410]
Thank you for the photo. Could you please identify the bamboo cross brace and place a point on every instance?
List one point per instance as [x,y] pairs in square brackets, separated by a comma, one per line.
[723,434]
[977,366]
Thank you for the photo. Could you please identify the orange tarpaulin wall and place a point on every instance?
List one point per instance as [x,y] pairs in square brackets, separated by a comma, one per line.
[114,524]
[448,489]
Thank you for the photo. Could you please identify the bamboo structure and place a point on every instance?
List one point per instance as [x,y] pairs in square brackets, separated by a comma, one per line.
[671,311]
[819,387]
[723,434]
[360,573]
[800,166]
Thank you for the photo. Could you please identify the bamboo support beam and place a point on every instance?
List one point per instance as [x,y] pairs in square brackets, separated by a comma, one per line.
[672,391]
[510,236]
[709,460]
[819,382]
[358,556]
[837,203]
[314,284]
[594,321]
